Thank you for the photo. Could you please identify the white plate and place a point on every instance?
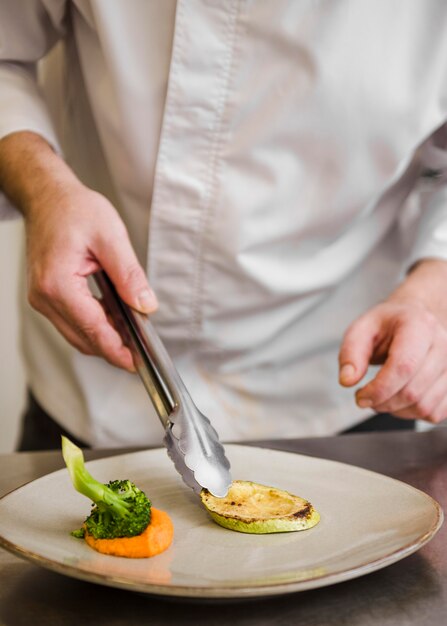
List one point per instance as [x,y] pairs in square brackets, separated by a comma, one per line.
[367,522]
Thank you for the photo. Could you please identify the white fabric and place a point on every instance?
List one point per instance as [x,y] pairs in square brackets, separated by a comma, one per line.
[260,154]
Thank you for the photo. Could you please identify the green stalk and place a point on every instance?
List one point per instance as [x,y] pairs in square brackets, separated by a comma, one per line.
[84,482]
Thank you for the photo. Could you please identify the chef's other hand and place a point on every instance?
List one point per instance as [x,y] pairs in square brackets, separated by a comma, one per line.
[407,335]
[71,232]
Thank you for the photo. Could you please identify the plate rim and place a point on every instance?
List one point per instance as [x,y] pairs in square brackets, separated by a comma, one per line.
[231,591]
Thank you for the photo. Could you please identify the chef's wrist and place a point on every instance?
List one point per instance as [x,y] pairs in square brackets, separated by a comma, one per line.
[32,175]
[426,286]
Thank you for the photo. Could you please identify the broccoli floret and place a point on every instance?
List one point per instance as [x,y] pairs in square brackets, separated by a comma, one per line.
[120,509]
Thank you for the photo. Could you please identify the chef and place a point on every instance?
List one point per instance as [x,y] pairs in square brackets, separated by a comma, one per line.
[273,171]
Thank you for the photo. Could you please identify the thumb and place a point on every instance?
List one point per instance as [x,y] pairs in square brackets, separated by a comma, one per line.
[357,349]
[118,259]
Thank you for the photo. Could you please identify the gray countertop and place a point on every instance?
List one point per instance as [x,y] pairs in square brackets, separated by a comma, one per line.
[410,592]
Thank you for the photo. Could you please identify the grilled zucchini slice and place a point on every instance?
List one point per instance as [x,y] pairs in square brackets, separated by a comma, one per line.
[253,508]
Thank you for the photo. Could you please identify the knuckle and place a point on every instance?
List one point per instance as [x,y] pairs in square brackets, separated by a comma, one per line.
[410,395]
[34,299]
[78,341]
[424,409]
[95,332]
[90,331]
[428,319]
[134,275]
[405,367]
[113,360]
[45,286]
[437,417]
[379,395]
[83,349]
[41,289]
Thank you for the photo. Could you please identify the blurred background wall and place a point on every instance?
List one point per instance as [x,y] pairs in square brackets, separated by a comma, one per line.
[12,380]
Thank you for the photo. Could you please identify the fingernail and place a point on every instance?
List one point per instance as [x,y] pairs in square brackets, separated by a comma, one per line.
[347,372]
[147,301]
[364,403]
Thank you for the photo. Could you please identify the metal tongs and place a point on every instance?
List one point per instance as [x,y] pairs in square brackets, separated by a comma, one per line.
[191,441]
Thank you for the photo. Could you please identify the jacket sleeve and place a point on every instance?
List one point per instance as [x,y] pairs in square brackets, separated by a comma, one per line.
[28,30]
[431,237]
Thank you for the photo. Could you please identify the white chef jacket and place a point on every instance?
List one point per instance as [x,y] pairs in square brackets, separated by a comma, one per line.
[278,164]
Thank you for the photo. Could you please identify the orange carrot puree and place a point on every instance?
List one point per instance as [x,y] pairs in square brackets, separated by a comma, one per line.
[156,538]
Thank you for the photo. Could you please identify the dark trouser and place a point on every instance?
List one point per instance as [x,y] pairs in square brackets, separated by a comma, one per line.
[381,422]
[41,432]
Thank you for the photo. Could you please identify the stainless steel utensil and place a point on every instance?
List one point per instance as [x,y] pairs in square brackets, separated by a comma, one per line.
[190,439]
